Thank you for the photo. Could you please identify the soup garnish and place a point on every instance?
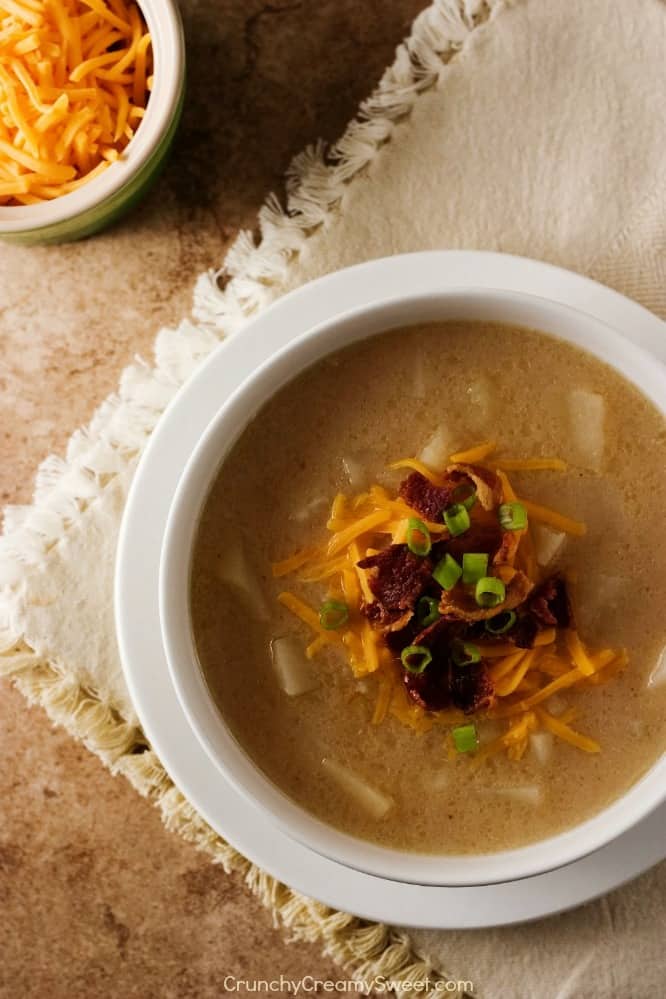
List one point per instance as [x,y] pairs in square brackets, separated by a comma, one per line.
[498,776]
[436,590]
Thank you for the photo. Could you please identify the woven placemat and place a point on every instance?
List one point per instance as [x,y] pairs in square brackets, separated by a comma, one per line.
[523,127]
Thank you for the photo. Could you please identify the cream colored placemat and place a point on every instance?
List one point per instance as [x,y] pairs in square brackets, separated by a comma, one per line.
[534,127]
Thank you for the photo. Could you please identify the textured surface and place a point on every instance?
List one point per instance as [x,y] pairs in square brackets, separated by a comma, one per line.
[101,898]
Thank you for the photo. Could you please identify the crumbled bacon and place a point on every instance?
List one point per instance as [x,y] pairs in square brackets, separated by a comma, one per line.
[506,553]
[427,499]
[430,500]
[430,689]
[487,484]
[524,632]
[442,683]
[439,636]
[484,535]
[550,604]
[459,605]
[471,686]
[547,607]
[397,578]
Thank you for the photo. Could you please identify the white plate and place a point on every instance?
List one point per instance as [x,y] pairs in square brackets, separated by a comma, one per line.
[138,624]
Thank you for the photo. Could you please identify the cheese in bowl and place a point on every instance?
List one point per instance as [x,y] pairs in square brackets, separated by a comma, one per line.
[427,588]
[90,97]
[74,81]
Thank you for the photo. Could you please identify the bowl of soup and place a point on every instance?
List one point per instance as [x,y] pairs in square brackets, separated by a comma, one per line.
[412,587]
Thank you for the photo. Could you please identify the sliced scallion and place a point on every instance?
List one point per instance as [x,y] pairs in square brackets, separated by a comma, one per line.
[501,624]
[474,566]
[465,738]
[447,572]
[489,591]
[427,611]
[333,614]
[418,537]
[466,654]
[415,658]
[465,493]
[456,519]
[513,516]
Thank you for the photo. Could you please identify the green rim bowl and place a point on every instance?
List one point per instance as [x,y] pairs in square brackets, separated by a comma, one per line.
[105,198]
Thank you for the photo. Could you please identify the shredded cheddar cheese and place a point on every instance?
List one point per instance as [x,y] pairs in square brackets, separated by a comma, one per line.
[349,534]
[417,466]
[523,679]
[565,732]
[561,523]
[73,90]
[578,653]
[473,454]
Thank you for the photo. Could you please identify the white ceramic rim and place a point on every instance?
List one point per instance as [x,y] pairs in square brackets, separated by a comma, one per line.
[168,43]
[139,637]
[202,715]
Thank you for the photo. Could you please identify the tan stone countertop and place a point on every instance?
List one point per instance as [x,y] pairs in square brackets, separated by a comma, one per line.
[96,898]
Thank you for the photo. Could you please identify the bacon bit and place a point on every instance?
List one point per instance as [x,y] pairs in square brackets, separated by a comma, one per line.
[550,603]
[423,496]
[508,492]
[472,688]
[484,535]
[397,578]
[468,688]
[430,499]
[462,606]
[506,553]
[548,607]
[430,689]
[525,632]
[487,484]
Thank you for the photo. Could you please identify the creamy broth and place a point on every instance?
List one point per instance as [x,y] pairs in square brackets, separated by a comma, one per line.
[370,404]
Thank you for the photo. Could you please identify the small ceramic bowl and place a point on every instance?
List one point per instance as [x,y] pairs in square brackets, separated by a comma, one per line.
[207,722]
[105,198]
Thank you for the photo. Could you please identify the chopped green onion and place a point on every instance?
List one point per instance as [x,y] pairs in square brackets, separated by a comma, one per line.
[456,519]
[513,516]
[333,614]
[465,654]
[415,658]
[427,611]
[501,624]
[489,591]
[418,545]
[465,738]
[474,566]
[465,493]
[447,572]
